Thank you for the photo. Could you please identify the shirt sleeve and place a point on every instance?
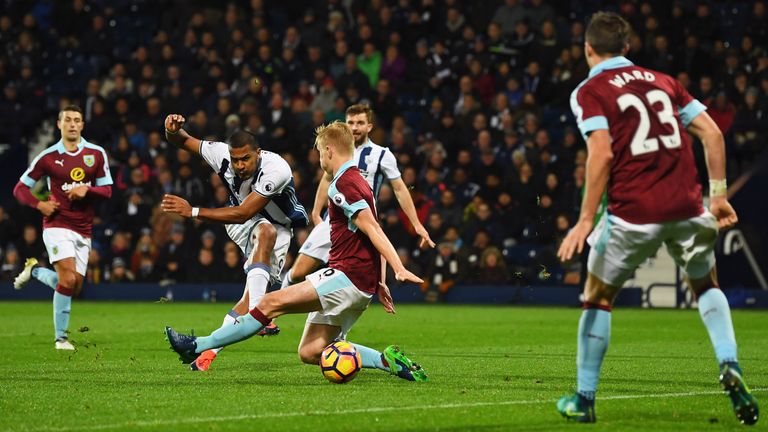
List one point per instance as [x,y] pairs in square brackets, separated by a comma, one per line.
[106,177]
[272,181]
[214,153]
[35,170]
[687,106]
[589,114]
[348,196]
[389,165]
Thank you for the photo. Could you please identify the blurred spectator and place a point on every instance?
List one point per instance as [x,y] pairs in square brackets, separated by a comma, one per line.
[205,269]
[12,264]
[493,270]
[95,272]
[31,245]
[173,259]
[441,274]
[119,273]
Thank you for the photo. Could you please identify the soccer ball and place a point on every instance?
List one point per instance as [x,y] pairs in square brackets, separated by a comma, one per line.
[340,362]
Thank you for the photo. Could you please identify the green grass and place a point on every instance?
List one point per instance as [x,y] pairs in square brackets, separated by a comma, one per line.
[491,368]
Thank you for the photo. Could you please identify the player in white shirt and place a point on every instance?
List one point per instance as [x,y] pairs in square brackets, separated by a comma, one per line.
[375,163]
[262,214]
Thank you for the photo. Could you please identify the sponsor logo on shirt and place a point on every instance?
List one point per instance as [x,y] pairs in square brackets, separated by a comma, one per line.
[66,187]
[77,174]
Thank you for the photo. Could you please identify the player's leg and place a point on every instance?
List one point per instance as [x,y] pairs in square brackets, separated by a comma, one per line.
[303,266]
[68,251]
[342,305]
[618,247]
[319,335]
[294,299]
[33,270]
[62,300]
[312,256]
[206,358]
[257,269]
[692,247]
[593,337]
[314,340]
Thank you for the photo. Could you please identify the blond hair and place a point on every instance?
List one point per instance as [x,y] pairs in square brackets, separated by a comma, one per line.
[336,134]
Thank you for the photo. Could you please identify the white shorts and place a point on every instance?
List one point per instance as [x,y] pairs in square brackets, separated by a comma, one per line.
[342,302]
[277,257]
[619,247]
[64,243]
[318,243]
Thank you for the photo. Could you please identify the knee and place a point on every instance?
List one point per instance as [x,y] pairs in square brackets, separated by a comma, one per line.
[267,233]
[269,304]
[309,355]
[68,279]
[598,292]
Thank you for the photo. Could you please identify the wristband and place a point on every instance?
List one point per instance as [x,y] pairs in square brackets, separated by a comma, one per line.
[195,211]
[170,133]
[718,188]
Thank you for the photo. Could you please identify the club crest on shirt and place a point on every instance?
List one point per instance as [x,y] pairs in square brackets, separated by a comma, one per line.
[89,160]
[339,199]
[77,174]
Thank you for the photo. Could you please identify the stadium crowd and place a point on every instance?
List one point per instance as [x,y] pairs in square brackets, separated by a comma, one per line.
[472,98]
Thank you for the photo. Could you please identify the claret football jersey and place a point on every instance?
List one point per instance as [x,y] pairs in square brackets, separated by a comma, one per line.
[653,175]
[86,166]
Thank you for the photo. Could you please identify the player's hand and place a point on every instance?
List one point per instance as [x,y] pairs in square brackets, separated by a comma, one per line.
[385,298]
[316,219]
[574,241]
[77,193]
[177,205]
[722,210]
[48,208]
[406,276]
[174,122]
[425,239]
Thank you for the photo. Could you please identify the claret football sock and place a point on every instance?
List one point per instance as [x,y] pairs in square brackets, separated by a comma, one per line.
[594,336]
[256,282]
[249,325]
[46,276]
[371,358]
[716,314]
[229,319]
[62,304]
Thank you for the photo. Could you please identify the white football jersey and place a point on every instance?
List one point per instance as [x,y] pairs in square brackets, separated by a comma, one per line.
[376,163]
[273,179]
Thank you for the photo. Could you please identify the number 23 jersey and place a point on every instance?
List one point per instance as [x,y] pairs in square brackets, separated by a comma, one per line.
[653,174]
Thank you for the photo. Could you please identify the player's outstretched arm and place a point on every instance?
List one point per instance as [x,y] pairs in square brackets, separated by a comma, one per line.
[706,130]
[252,204]
[321,198]
[370,226]
[178,136]
[599,159]
[403,196]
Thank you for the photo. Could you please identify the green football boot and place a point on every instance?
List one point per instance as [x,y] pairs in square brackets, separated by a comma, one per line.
[744,404]
[577,408]
[402,366]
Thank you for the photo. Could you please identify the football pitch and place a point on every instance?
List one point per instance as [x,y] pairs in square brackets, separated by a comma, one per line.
[490,368]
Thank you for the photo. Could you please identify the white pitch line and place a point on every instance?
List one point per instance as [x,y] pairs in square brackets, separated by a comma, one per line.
[194,420]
